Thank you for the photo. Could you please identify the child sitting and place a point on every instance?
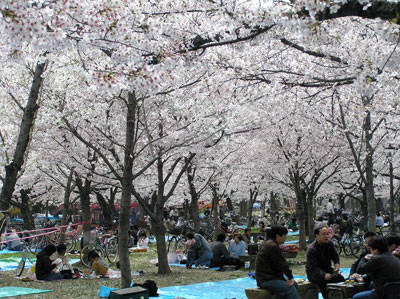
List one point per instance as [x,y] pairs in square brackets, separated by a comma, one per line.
[98,265]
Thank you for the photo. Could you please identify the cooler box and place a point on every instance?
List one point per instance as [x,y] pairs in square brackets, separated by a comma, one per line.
[252,249]
[343,290]
[130,293]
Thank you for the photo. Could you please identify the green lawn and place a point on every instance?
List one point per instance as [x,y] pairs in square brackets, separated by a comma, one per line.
[83,288]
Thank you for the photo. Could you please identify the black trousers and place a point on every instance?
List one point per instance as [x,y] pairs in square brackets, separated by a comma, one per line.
[228,261]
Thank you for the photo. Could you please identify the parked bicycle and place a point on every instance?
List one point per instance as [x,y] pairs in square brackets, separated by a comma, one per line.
[350,244]
[106,246]
[27,255]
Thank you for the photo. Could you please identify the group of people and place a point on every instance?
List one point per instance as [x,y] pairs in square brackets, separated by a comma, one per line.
[379,264]
[202,254]
[52,264]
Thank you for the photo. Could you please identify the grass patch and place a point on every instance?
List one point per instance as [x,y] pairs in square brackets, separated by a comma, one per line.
[85,288]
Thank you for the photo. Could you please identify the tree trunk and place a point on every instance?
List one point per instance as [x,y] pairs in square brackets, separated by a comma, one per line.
[127,191]
[273,207]
[369,167]
[193,207]
[391,198]
[243,208]
[106,209]
[300,208]
[341,199]
[159,231]
[66,210]
[253,197]
[26,211]
[310,219]
[24,138]
[214,211]
[84,193]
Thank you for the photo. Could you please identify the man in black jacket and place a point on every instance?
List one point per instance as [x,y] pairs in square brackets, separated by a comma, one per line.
[44,265]
[320,254]
[221,256]
[364,257]
[383,267]
[271,266]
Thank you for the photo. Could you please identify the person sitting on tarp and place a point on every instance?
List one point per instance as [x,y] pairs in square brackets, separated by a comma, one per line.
[64,268]
[200,253]
[97,264]
[383,267]
[143,241]
[14,244]
[247,236]
[271,266]
[45,266]
[221,256]
[237,247]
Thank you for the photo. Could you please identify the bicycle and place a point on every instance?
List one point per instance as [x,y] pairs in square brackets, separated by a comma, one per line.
[52,237]
[351,244]
[27,254]
[105,246]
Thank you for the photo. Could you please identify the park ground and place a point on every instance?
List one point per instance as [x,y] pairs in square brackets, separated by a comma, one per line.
[89,288]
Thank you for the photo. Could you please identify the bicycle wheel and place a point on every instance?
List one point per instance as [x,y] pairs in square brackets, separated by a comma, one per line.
[70,243]
[336,243]
[347,246]
[86,249]
[21,266]
[357,246]
[112,250]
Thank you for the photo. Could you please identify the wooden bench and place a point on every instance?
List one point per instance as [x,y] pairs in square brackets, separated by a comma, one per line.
[307,290]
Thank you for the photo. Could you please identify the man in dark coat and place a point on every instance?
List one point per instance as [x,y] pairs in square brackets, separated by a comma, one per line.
[221,256]
[320,255]
[383,267]
[271,266]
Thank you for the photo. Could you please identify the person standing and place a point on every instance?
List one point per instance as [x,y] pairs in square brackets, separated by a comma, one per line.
[320,254]
[271,266]
[331,212]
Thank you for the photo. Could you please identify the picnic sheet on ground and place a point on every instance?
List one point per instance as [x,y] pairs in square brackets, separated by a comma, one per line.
[11,263]
[234,288]
[8,251]
[193,266]
[17,291]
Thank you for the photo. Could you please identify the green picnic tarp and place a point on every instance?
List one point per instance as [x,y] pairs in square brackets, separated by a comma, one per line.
[17,291]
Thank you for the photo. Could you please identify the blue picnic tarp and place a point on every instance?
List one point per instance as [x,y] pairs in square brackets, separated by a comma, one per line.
[18,291]
[234,288]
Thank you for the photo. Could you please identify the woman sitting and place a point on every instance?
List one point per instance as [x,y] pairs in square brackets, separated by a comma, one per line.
[237,247]
[65,266]
[143,241]
[44,265]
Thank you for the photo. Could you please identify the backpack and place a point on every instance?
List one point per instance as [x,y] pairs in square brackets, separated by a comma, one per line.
[150,285]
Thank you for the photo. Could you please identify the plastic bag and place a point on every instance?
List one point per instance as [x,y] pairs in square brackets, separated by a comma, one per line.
[105,291]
